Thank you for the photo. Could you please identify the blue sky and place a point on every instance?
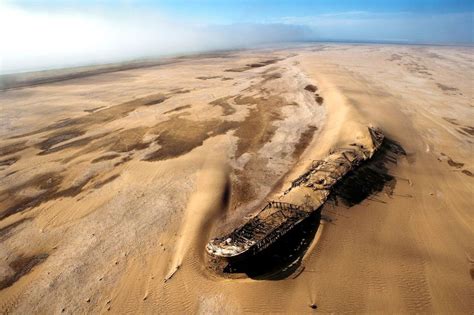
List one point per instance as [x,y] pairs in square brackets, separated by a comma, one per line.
[43,34]
[234,11]
[229,11]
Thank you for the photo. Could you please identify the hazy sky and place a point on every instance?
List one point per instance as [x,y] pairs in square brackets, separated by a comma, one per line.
[46,34]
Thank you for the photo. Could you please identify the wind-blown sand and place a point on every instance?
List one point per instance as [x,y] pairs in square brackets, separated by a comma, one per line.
[115,181]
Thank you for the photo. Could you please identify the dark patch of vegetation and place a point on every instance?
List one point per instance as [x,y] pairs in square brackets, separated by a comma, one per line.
[48,188]
[455,164]
[124,160]
[22,266]
[73,144]
[10,161]
[319,99]
[58,137]
[257,128]
[156,101]
[6,230]
[93,109]
[106,181]
[223,102]
[105,158]
[177,109]
[446,88]
[208,77]
[469,130]
[311,88]
[271,76]
[128,140]
[395,57]
[451,162]
[13,148]
[84,123]
[468,173]
[451,120]
[263,63]
[253,65]
[179,136]
[305,138]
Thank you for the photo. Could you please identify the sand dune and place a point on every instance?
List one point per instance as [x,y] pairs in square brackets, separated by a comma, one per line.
[113,182]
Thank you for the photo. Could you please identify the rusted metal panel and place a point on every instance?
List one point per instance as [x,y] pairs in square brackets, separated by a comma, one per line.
[279,217]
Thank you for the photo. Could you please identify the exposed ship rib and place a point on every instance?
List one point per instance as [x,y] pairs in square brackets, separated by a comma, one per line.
[305,195]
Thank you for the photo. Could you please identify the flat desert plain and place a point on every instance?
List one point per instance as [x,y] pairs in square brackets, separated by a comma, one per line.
[112,178]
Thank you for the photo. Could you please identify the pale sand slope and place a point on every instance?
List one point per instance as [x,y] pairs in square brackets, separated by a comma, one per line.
[108,242]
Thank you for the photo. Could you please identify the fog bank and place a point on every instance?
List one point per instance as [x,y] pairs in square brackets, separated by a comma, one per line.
[36,40]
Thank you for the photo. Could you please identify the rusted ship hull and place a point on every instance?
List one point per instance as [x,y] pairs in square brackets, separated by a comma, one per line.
[306,194]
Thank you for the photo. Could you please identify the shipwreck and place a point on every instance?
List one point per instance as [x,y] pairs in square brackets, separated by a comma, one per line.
[306,194]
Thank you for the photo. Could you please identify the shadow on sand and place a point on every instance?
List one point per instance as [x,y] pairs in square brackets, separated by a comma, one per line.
[284,257]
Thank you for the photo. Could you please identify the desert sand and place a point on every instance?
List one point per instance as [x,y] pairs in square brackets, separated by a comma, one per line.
[111,179]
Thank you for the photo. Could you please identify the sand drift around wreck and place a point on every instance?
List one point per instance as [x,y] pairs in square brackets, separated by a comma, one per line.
[306,195]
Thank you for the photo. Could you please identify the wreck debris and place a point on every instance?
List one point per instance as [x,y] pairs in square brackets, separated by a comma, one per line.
[304,196]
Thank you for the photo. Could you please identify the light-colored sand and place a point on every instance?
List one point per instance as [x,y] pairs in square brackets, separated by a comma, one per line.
[98,209]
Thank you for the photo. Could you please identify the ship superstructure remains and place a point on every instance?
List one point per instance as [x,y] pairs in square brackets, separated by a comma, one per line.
[305,195]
